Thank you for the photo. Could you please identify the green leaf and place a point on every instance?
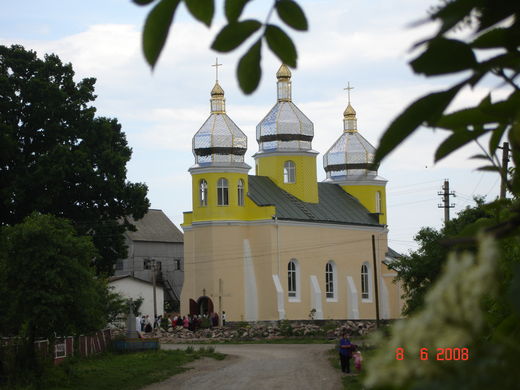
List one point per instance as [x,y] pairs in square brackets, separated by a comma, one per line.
[249,71]
[427,109]
[479,157]
[455,141]
[143,2]
[489,168]
[233,9]
[453,13]
[156,28]
[202,10]
[498,37]
[292,14]
[496,136]
[444,56]
[281,45]
[234,34]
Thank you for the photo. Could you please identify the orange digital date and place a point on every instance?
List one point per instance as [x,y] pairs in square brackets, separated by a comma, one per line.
[442,354]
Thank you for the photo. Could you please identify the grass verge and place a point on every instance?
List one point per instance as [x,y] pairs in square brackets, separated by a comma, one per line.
[120,371]
[351,382]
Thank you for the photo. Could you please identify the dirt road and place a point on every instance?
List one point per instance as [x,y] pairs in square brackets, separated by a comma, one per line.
[258,366]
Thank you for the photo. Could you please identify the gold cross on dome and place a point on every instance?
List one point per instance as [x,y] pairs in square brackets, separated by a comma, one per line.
[348,91]
[216,65]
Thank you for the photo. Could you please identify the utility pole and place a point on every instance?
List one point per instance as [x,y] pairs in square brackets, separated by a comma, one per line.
[505,161]
[154,294]
[376,281]
[220,293]
[446,200]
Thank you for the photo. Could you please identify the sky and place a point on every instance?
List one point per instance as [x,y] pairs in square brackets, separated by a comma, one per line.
[366,43]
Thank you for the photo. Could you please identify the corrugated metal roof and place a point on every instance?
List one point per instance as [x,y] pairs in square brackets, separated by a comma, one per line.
[335,205]
[393,254]
[155,226]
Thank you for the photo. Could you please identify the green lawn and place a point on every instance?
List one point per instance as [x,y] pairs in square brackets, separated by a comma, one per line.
[121,371]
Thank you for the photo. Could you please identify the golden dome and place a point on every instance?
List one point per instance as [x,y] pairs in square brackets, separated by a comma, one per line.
[283,72]
[217,90]
[349,111]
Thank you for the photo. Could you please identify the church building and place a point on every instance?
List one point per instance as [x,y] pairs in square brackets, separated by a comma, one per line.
[279,244]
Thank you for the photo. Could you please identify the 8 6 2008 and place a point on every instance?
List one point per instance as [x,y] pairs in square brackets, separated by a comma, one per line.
[439,354]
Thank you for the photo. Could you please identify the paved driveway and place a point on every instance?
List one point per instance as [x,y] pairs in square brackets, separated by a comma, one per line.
[258,366]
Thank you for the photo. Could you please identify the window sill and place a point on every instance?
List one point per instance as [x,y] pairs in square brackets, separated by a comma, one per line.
[294,300]
[332,299]
[369,300]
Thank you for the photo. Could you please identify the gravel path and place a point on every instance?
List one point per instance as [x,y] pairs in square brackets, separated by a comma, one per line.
[258,366]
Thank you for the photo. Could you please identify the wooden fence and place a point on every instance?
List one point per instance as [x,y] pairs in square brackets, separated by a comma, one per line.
[64,347]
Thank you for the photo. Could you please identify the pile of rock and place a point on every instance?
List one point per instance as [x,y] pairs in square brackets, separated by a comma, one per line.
[255,331]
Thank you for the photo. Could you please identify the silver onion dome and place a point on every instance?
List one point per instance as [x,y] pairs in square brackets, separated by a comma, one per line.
[219,140]
[285,127]
[351,154]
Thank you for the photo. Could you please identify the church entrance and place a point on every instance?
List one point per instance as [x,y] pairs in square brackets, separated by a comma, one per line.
[204,305]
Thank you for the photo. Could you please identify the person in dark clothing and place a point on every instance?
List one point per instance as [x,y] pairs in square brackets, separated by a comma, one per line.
[345,352]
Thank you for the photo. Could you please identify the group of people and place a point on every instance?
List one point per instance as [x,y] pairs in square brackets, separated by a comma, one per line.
[177,322]
[348,351]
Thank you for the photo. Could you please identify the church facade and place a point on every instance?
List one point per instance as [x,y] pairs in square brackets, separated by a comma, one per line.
[279,244]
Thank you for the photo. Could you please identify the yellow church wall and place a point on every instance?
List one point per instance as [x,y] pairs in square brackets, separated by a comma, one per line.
[305,188]
[232,211]
[219,251]
[366,194]
[313,248]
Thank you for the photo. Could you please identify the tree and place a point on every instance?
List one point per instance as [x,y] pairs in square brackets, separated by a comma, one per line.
[57,157]
[232,35]
[47,282]
[418,270]
[474,302]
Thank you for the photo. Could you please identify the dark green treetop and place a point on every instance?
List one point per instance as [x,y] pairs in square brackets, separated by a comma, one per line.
[57,157]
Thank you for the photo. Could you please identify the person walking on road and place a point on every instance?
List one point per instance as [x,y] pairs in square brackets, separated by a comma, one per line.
[345,352]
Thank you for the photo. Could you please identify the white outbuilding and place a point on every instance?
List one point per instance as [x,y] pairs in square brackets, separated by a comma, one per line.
[132,287]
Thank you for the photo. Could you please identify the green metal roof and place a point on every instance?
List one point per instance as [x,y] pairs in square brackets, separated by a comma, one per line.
[335,205]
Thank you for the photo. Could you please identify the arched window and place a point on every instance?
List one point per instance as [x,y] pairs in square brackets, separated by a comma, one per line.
[330,280]
[203,193]
[291,272]
[240,189]
[289,172]
[378,202]
[222,192]
[293,276]
[364,282]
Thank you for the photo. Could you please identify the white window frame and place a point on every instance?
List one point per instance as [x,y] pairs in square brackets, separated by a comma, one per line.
[203,193]
[222,192]
[240,192]
[294,294]
[331,282]
[289,172]
[366,280]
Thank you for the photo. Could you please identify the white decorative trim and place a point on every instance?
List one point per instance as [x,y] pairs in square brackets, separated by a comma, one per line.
[279,297]
[250,293]
[221,168]
[392,275]
[285,153]
[377,229]
[353,308]
[385,305]
[376,181]
[316,297]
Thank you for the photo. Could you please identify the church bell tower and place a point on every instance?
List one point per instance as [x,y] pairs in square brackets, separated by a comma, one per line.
[350,163]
